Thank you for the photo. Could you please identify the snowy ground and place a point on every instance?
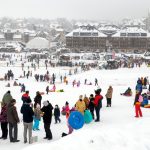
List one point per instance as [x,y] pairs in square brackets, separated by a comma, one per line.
[118,128]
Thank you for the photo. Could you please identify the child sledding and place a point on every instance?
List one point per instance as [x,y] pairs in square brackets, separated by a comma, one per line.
[128,92]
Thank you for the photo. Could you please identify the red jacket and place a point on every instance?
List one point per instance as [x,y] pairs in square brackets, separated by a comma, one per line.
[97,99]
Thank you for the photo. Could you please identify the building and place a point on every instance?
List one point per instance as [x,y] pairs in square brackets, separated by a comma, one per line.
[86,38]
[130,39]
[126,39]
[38,43]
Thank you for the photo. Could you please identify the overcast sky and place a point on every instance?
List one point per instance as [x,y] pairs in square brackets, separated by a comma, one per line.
[75,9]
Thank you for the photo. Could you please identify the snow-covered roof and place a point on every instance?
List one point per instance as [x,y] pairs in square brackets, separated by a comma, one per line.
[131,32]
[84,32]
[109,28]
[134,22]
[17,36]
[86,24]
[2,36]
[38,43]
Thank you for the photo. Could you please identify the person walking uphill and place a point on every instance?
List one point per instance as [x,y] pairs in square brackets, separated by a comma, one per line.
[80,105]
[109,96]
[98,104]
[13,120]
[47,118]
[28,114]
[137,104]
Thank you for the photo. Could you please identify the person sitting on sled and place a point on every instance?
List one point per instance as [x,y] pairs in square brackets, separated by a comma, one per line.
[128,92]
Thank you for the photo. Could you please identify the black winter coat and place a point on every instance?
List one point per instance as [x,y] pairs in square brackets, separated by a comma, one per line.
[27,112]
[56,112]
[37,100]
[91,104]
[47,110]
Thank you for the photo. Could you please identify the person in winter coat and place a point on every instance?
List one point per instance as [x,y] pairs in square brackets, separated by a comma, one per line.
[4,123]
[128,92]
[139,87]
[47,118]
[91,105]
[57,114]
[37,117]
[145,100]
[80,105]
[86,100]
[13,120]
[145,81]
[137,103]
[26,97]
[96,82]
[69,127]
[98,104]
[47,89]
[65,108]
[27,113]
[109,96]
[37,99]
[6,98]
[23,88]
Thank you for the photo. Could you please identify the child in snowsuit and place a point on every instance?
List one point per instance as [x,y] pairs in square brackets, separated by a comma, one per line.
[57,114]
[137,103]
[37,117]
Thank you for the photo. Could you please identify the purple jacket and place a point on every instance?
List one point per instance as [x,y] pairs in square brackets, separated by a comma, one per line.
[3,114]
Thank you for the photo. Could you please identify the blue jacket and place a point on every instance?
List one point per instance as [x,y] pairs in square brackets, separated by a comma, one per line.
[139,87]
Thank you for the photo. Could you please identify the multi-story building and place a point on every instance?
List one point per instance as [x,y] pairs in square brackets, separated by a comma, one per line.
[127,39]
[86,38]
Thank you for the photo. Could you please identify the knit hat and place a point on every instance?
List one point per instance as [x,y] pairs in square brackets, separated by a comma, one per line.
[80,97]
[45,103]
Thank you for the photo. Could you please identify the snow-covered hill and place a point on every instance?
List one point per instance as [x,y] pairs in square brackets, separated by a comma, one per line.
[118,129]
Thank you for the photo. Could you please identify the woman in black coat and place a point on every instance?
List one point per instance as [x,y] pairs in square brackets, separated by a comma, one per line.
[47,118]
[37,99]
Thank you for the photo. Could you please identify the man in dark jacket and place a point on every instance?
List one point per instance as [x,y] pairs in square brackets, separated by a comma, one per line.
[47,117]
[98,104]
[26,97]
[13,120]
[37,99]
[28,113]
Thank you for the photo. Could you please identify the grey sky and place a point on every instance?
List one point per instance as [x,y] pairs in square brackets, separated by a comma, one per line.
[75,9]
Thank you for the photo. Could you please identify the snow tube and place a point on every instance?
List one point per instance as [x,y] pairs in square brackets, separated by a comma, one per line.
[87,116]
[76,120]
[147,106]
